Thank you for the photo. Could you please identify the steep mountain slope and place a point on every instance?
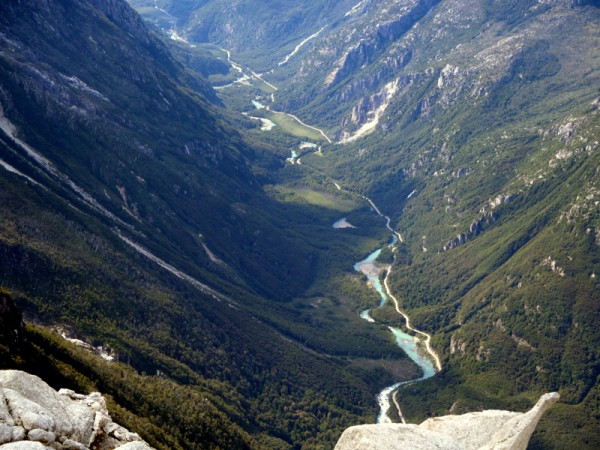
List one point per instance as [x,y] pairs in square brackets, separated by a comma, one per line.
[515,290]
[145,126]
[463,49]
[134,217]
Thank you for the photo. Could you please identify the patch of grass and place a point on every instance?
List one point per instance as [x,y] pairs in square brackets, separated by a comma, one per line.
[293,127]
[314,197]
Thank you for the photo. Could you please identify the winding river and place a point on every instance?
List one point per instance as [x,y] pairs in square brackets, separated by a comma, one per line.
[417,346]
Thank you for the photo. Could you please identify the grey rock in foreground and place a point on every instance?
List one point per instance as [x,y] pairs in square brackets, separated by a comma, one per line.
[486,430]
[33,416]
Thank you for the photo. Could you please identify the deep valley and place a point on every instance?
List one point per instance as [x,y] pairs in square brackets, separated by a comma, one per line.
[186,186]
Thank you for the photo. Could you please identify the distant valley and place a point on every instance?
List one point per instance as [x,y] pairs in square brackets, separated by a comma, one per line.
[191,187]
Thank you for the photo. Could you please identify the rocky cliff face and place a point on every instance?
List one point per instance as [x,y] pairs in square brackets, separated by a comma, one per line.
[33,416]
[486,430]
[458,50]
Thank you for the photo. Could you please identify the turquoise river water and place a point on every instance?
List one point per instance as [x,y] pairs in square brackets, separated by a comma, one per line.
[405,341]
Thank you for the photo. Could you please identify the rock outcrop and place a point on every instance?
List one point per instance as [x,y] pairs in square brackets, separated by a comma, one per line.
[34,416]
[486,430]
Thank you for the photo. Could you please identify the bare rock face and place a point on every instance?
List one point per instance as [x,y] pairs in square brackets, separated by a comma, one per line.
[392,436]
[486,430]
[33,416]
